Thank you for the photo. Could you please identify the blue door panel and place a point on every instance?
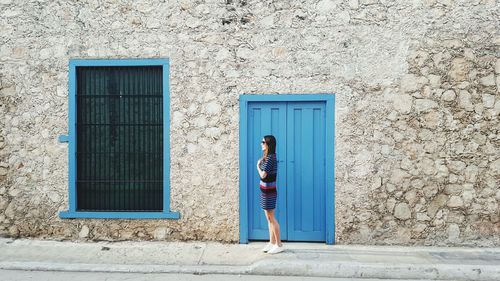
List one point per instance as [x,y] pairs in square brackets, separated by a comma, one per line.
[306,171]
[265,119]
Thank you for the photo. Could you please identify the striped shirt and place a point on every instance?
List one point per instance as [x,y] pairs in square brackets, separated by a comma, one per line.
[270,166]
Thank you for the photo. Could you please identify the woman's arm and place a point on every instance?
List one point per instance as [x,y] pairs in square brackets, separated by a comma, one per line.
[262,173]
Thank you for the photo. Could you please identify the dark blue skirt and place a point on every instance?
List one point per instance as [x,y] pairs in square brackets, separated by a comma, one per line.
[268,199]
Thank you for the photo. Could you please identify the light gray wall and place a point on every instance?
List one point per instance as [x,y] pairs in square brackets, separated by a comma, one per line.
[417,135]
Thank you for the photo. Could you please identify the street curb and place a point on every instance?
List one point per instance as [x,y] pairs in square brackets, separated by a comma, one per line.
[332,269]
[126,268]
[455,272]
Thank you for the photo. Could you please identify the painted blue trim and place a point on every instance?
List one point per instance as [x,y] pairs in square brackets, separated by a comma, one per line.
[63,138]
[243,172]
[119,215]
[330,170]
[330,152]
[166,137]
[117,62]
[71,139]
[286,97]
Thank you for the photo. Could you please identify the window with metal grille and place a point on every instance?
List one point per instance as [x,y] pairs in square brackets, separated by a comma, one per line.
[118,162]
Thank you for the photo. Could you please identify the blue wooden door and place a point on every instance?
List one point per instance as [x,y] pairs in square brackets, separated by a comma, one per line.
[265,119]
[299,128]
[306,181]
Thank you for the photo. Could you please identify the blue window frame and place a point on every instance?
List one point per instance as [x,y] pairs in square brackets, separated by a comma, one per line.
[71,139]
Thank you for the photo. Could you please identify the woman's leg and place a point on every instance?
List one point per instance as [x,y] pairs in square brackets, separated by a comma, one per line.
[272,237]
[276,228]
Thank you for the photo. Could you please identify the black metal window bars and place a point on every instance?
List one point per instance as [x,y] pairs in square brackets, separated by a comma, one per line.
[119,138]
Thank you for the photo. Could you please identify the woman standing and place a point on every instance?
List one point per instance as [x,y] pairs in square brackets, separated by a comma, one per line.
[267,167]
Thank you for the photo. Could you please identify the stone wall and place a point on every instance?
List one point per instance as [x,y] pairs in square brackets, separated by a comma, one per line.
[428,155]
[417,106]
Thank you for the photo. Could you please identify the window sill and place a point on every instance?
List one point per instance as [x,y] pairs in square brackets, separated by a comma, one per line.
[119,215]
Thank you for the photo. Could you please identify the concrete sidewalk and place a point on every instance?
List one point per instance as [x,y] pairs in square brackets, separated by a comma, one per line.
[300,259]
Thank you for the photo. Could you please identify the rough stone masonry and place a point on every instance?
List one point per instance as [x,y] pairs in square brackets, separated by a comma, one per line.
[417,106]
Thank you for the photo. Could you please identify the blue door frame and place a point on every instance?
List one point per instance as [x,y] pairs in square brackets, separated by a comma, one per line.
[329,100]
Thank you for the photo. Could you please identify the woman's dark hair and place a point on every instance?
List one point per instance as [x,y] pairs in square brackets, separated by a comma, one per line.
[271,145]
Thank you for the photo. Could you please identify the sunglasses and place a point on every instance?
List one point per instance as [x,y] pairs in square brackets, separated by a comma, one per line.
[263,141]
